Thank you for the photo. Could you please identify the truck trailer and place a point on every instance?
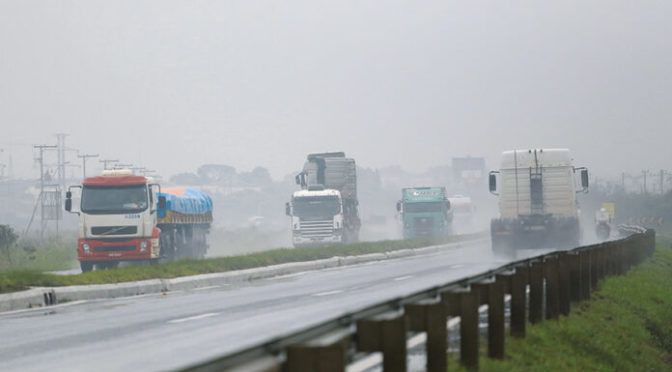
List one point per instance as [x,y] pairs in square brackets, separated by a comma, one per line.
[125,217]
[538,207]
[326,210]
[425,211]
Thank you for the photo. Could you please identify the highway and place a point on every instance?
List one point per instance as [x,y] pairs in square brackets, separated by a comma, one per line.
[165,332]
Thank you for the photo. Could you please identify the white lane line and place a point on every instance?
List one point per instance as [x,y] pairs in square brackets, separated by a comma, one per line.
[195,317]
[43,308]
[403,278]
[208,287]
[329,293]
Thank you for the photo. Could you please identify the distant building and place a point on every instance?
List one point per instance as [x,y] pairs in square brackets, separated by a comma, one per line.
[468,170]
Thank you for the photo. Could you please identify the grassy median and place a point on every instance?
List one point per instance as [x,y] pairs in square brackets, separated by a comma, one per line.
[16,280]
[626,326]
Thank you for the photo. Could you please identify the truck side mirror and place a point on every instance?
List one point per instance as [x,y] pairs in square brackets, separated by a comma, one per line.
[492,182]
[398,206]
[68,202]
[584,178]
[298,179]
[447,204]
[287,209]
[162,202]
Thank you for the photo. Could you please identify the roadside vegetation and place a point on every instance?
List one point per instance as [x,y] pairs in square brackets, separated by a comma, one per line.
[626,326]
[16,280]
[50,254]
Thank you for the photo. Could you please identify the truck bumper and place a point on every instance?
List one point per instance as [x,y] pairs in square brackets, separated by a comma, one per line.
[126,250]
[301,241]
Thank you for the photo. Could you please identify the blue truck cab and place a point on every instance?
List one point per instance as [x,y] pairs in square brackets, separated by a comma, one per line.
[425,211]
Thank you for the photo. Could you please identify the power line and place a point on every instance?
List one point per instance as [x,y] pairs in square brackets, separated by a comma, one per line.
[107,161]
[84,157]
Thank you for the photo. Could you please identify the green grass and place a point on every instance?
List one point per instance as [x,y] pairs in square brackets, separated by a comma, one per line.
[51,254]
[15,280]
[626,326]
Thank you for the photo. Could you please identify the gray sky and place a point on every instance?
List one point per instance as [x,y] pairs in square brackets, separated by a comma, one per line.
[175,84]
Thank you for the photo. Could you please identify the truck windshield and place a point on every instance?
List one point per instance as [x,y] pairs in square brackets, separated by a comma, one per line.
[424,207]
[316,206]
[114,199]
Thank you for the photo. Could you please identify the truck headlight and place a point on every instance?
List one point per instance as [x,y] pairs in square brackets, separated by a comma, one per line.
[143,246]
[86,248]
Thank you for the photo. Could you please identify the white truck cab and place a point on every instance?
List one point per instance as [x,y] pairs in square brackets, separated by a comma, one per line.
[316,217]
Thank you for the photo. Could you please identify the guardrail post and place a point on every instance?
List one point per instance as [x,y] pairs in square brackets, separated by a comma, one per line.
[430,317]
[464,303]
[594,274]
[518,292]
[552,288]
[648,243]
[386,333]
[564,295]
[613,258]
[574,261]
[491,293]
[324,354]
[585,274]
[602,262]
[536,281]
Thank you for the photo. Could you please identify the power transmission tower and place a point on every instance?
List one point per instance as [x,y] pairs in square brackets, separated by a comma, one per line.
[84,157]
[107,161]
[40,198]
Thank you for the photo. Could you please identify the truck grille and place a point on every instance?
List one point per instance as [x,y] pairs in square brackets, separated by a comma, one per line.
[424,225]
[115,248]
[114,230]
[317,229]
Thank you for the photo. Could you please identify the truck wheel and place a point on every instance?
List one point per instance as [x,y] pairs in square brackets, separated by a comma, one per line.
[86,266]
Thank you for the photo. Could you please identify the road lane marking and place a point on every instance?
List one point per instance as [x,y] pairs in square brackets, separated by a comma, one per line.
[403,278]
[195,317]
[329,293]
[208,287]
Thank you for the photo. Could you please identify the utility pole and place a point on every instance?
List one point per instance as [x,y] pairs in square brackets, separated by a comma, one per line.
[60,137]
[107,161]
[662,182]
[40,197]
[2,167]
[84,157]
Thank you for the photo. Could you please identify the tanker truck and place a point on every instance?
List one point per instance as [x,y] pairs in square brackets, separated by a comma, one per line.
[125,217]
[538,207]
[326,210]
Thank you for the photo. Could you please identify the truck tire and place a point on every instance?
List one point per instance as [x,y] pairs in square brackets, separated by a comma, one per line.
[86,266]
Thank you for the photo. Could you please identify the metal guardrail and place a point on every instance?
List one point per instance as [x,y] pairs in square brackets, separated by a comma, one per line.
[555,280]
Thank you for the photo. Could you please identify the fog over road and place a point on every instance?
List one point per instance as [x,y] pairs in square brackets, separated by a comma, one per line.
[156,332]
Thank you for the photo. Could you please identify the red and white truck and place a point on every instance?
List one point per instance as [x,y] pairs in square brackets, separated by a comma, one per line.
[126,217]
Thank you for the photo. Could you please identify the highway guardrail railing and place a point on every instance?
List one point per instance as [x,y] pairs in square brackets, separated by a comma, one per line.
[540,288]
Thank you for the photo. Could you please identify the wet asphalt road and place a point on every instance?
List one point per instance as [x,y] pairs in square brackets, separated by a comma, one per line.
[157,332]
